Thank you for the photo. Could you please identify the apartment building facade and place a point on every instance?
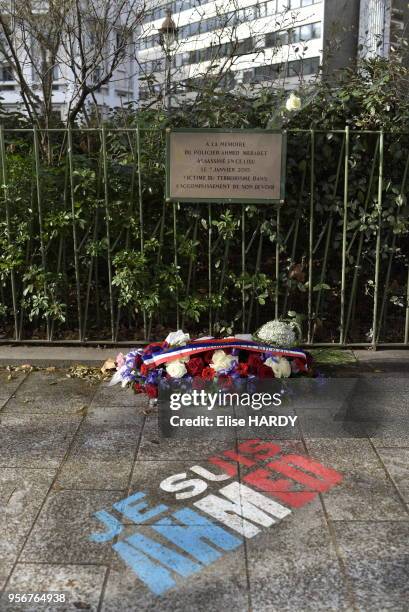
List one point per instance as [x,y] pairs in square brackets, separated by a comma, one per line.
[120,89]
[279,42]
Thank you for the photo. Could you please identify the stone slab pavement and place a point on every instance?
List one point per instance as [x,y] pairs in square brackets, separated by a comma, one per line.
[70,448]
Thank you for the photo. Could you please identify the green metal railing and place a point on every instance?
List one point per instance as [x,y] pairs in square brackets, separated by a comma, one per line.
[77,203]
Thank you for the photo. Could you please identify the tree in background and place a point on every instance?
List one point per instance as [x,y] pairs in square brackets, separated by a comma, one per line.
[85,41]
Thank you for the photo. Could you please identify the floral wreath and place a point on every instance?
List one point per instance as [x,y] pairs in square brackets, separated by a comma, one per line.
[227,362]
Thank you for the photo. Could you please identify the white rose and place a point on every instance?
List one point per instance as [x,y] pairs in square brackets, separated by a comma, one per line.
[221,361]
[293,103]
[281,368]
[176,369]
[177,338]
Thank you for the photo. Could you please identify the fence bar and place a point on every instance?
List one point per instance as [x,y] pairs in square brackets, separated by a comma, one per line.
[344,238]
[74,233]
[277,271]
[361,242]
[141,220]
[8,229]
[175,261]
[209,263]
[378,242]
[40,220]
[243,268]
[311,236]
[108,229]
[384,308]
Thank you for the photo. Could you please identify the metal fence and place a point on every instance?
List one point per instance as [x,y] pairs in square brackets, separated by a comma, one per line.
[90,252]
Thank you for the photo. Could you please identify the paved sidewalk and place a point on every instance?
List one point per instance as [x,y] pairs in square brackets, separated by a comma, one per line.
[69,448]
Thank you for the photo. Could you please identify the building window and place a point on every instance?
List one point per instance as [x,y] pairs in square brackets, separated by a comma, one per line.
[6,73]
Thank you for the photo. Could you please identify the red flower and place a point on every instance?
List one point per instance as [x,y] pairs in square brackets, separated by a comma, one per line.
[299,365]
[151,390]
[144,370]
[198,383]
[195,366]
[254,362]
[264,371]
[208,373]
[225,381]
[138,362]
[207,356]
[137,387]
[243,369]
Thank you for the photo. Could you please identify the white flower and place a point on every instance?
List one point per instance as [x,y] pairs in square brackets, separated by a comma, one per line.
[221,361]
[281,368]
[277,333]
[177,338]
[270,362]
[176,369]
[293,103]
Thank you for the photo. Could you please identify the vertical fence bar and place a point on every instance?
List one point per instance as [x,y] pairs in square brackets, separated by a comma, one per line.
[40,219]
[344,238]
[74,233]
[277,270]
[175,261]
[378,242]
[357,266]
[209,263]
[8,230]
[243,268]
[384,308]
[141,220]
[108,229]
[311,235]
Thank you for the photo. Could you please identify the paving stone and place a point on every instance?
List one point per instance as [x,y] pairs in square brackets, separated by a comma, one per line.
[22,491]
[61,533]
[398,440]
[51,393]
[8,387]
[365,492]
[377,563]
[153,446]
[293,565]
[396,461]
[221,585]
[35,441]
[344,454]
[114,415]
[104,450]
[116,396]
[5,569]
[80,584]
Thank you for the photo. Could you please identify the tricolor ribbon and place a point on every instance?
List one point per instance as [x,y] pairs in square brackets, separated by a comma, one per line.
[168,354]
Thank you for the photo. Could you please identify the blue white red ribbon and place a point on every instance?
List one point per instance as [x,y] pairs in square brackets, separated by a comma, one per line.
[167,354]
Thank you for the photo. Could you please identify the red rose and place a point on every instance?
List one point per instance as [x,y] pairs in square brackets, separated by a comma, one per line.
[195,366]
[198,383]
[137,387]
[138,362]
[264,371]
[225,381]
[151,390]
[254,362]
[243,369]
[208,373]
[298,365]
[207,356]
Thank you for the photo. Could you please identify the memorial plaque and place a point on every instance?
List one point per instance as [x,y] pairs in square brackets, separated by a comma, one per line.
[225,166]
